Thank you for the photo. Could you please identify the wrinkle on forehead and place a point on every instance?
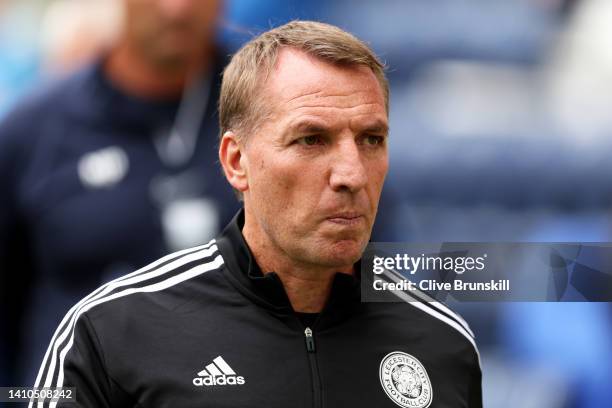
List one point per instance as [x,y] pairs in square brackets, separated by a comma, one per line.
[322,94]
[321,100]
[333,105]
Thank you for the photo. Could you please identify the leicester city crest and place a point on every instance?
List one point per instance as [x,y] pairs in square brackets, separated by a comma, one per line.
[405,380]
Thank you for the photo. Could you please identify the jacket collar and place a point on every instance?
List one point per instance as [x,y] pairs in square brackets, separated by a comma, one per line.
[267,289]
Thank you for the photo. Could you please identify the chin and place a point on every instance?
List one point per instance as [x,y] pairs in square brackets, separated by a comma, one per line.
[342,253]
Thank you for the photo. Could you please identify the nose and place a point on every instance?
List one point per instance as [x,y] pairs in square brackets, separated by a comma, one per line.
[348,172]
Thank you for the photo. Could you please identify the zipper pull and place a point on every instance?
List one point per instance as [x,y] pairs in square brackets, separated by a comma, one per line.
[310,344]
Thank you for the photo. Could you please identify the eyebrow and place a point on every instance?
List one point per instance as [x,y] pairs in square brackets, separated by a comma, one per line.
[308,126]
[377,127]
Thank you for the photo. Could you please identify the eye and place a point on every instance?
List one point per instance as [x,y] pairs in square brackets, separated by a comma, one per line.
[374,140]
[310,140]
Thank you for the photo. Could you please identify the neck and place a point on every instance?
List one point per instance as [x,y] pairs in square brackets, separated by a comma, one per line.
[308,286]
[133,74]
[307,290]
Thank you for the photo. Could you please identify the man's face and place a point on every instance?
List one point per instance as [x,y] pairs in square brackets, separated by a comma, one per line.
[315,169]
[168,32]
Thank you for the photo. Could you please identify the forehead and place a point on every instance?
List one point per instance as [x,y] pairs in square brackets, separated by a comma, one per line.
[300,85]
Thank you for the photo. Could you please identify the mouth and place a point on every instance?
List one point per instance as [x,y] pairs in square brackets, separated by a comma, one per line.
[346,218]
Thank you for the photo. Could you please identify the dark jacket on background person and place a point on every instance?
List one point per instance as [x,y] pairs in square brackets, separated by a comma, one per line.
[84,194]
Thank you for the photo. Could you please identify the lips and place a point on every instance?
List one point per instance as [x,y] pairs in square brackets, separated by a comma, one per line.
[346,218]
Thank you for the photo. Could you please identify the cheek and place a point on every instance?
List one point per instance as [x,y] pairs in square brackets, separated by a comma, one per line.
[288,187]
[382,174]
[271,181]
[377,174]
[284,182]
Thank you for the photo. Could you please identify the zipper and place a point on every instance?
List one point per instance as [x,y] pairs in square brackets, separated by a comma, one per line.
[310,344]
[314,368]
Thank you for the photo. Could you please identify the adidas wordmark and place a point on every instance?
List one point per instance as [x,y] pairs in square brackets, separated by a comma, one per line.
[218,373]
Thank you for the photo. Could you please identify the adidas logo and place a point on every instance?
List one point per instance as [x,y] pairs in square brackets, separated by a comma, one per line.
[218,373]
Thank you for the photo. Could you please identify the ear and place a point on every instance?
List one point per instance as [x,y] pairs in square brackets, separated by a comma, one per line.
[233,161]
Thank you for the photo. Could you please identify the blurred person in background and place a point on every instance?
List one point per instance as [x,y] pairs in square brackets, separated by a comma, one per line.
[19,61]
[108,169]
[73,33]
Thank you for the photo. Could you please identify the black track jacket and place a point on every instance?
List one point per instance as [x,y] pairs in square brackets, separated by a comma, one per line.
[205,328]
